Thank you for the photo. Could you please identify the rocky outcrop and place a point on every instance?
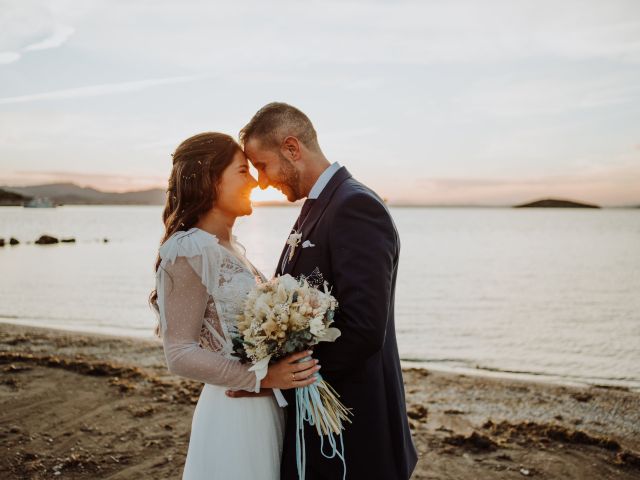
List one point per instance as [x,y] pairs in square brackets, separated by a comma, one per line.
[47,240]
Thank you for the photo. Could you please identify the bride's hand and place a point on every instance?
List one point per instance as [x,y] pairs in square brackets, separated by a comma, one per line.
[287,373]
[284,374]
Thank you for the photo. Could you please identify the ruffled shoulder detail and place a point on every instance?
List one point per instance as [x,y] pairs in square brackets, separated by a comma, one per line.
[202,251]
[190,243]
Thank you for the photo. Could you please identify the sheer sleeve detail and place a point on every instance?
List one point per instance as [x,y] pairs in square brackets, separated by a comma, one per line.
[202,251]
[195,336]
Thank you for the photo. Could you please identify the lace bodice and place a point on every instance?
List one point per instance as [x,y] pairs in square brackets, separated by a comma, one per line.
[201,290]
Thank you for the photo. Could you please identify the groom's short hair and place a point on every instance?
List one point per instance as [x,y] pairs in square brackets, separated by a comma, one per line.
[276,121]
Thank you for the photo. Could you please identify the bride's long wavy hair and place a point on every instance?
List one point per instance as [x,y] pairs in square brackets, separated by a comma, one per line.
[198,163]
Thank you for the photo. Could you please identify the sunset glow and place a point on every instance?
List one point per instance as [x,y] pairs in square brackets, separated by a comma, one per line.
[426,102]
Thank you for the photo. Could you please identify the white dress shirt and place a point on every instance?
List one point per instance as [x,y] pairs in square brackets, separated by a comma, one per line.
[322,181]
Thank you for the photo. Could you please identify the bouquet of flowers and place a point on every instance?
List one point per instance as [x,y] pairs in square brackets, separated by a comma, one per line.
[287,315]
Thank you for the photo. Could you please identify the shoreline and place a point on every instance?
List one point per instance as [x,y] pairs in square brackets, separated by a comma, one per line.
[95,406]
[435,366]
[533,377]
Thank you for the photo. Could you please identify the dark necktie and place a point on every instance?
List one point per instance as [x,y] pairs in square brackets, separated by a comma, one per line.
[306,206]
[304,211]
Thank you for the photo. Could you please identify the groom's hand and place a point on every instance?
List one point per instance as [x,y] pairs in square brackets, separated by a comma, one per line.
[264,392]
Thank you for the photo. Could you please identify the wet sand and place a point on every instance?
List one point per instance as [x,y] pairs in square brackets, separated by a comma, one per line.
[84,406]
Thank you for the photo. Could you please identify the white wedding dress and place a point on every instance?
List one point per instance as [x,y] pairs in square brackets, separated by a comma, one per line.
[201,288]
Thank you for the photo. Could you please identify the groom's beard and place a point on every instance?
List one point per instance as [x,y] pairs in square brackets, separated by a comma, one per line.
[289,181]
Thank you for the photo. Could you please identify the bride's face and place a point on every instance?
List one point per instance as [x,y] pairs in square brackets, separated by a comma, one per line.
[234,188]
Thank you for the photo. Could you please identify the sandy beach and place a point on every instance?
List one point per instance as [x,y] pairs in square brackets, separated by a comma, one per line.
[85,406]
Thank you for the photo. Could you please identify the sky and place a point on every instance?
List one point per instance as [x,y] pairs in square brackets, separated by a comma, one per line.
[428,102]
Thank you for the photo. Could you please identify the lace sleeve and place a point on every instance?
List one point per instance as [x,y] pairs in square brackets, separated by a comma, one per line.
[182,306]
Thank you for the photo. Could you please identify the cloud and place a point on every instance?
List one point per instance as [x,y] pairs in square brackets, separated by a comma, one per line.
[552,94]
[37,25]
[103,89]
[60,35]
[8,57]
[410,32]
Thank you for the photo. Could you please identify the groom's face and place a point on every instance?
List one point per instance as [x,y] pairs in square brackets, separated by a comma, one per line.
[274,169]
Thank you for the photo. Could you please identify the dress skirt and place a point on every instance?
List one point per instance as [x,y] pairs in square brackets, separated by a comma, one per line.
[234,438]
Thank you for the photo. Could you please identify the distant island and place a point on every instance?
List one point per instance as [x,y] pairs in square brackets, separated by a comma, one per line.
[72,194]
[555,203]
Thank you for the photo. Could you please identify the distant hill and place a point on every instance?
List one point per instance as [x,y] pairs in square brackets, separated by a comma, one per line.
[12,198]
[555,203]
[72,194]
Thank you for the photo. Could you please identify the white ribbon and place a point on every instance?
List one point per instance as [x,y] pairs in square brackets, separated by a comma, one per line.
[260,370]
[282,402]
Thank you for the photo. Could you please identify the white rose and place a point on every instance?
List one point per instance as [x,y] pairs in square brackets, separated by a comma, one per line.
[287,282]
[316,326]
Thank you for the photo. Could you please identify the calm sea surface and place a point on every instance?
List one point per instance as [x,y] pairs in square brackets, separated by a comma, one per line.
[549,293]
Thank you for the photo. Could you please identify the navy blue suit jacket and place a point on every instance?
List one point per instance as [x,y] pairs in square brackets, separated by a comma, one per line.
[356,250]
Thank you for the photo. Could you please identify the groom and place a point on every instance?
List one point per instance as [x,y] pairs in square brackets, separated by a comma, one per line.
[348,234]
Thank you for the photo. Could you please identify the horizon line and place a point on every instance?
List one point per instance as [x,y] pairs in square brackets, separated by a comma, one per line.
[389,202]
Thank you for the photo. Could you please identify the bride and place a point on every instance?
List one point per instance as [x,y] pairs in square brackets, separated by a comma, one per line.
[203,277]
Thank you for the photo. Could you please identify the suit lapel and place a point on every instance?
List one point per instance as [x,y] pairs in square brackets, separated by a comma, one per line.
[314,215]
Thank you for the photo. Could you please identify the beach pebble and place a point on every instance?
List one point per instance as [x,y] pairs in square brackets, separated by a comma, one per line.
[417,412]
[525,472]
[454,411]
[475,443]
[582,396]
[143,412]
[11,382]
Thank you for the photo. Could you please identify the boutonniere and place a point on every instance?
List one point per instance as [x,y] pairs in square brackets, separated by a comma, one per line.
[293,242]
